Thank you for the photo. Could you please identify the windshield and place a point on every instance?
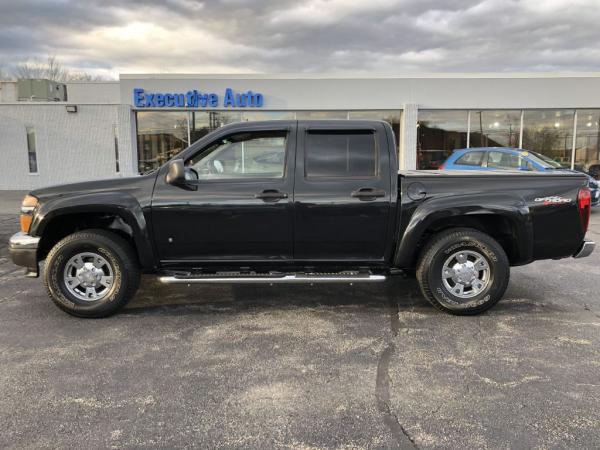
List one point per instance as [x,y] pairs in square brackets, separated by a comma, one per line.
[542,160]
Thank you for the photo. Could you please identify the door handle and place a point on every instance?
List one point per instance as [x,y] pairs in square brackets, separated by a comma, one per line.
[367,193]
[271,195]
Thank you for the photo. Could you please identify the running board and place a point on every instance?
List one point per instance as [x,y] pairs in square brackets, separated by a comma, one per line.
[271,279]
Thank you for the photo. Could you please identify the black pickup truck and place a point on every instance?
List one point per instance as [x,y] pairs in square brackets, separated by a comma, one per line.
[297,202]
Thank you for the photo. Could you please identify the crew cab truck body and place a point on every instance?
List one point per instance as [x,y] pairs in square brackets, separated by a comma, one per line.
[299,201]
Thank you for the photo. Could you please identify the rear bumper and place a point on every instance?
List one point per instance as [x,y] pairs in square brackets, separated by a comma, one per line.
[586,249]
[23,252]
[595,197]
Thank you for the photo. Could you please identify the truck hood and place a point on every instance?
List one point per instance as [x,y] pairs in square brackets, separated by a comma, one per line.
[88,187]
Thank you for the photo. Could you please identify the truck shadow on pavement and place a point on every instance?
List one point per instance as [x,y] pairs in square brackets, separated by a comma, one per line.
[181,299]
[402,293]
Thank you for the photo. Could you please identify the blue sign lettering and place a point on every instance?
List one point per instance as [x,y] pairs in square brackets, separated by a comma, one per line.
[196,99]
[138,97]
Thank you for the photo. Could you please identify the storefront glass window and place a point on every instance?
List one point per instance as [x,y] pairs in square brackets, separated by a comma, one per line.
[549,132]
[390,116]
[161,135]
[495,128]
[202,122]
[439,132]
[321,115]
[252,116]
[587,144]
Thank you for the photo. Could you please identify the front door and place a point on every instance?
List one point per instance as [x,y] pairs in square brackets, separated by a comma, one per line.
[237,205]
[342,195]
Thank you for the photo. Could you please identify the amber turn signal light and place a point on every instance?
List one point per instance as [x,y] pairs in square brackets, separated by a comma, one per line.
[27,207]
[26,220]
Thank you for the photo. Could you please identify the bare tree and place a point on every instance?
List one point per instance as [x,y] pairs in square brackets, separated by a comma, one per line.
[84,76]
[51,69]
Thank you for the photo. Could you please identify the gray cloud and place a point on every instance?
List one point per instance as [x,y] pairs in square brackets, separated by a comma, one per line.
[375,36]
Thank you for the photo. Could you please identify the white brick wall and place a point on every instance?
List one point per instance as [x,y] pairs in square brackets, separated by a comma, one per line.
[94,92]
[70,146]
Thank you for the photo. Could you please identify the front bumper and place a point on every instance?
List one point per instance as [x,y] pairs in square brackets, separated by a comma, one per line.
[586,249]
[23,252]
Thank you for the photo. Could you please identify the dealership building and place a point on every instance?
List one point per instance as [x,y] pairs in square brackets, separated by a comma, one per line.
[52,133]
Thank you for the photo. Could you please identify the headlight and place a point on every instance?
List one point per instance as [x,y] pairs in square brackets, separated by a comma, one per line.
[27,207]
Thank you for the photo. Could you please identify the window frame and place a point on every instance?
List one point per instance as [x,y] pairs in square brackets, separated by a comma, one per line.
[35,152]
[341,130]
[205,149]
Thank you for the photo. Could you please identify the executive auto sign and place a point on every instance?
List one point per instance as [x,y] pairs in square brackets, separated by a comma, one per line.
[197,99]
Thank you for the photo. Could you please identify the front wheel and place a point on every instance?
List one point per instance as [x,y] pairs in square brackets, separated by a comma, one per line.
[91,273]
[463,271]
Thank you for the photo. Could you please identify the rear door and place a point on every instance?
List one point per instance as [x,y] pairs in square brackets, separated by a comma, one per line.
[342,193]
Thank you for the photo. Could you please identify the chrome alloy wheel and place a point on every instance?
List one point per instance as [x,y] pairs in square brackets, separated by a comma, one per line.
[466,273]
[88,276]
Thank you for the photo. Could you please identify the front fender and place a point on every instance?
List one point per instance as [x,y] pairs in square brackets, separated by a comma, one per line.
[433,211]
[121,204]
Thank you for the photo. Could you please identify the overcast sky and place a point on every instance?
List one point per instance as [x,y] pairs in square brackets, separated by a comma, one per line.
[108,37]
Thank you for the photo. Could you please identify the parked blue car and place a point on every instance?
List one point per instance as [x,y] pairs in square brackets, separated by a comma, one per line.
[502,158]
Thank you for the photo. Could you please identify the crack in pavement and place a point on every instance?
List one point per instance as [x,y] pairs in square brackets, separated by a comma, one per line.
[382,385]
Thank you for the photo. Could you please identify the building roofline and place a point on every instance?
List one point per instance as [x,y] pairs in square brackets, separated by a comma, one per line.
[91,82]
[333,76]
[61,103]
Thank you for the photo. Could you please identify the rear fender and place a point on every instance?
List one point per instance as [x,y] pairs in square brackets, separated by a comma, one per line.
[432,213]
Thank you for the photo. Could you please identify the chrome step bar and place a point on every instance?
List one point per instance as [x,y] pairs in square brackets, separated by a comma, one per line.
[283,279]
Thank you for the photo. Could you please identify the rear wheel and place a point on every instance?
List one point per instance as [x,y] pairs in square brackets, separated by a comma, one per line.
[463,271]
[91,273]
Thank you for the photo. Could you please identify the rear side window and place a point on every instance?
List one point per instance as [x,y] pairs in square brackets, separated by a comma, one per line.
[340,154]
[470,159]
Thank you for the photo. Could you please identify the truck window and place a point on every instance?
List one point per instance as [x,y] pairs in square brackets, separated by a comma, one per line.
[470,159]
[340,154]
[259,154]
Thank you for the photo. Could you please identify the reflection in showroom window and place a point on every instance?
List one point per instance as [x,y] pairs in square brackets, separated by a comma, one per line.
[587,145]
[161,135]
[495,128]
[439,132]
[549,132]
[259,154]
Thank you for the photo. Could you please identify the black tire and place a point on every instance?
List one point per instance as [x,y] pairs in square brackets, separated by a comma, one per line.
[440,249]
[115,250]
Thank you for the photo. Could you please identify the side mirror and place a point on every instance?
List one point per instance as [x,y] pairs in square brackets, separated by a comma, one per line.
[176,173]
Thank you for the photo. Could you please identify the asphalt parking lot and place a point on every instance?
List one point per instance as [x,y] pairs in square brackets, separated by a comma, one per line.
[304,367]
